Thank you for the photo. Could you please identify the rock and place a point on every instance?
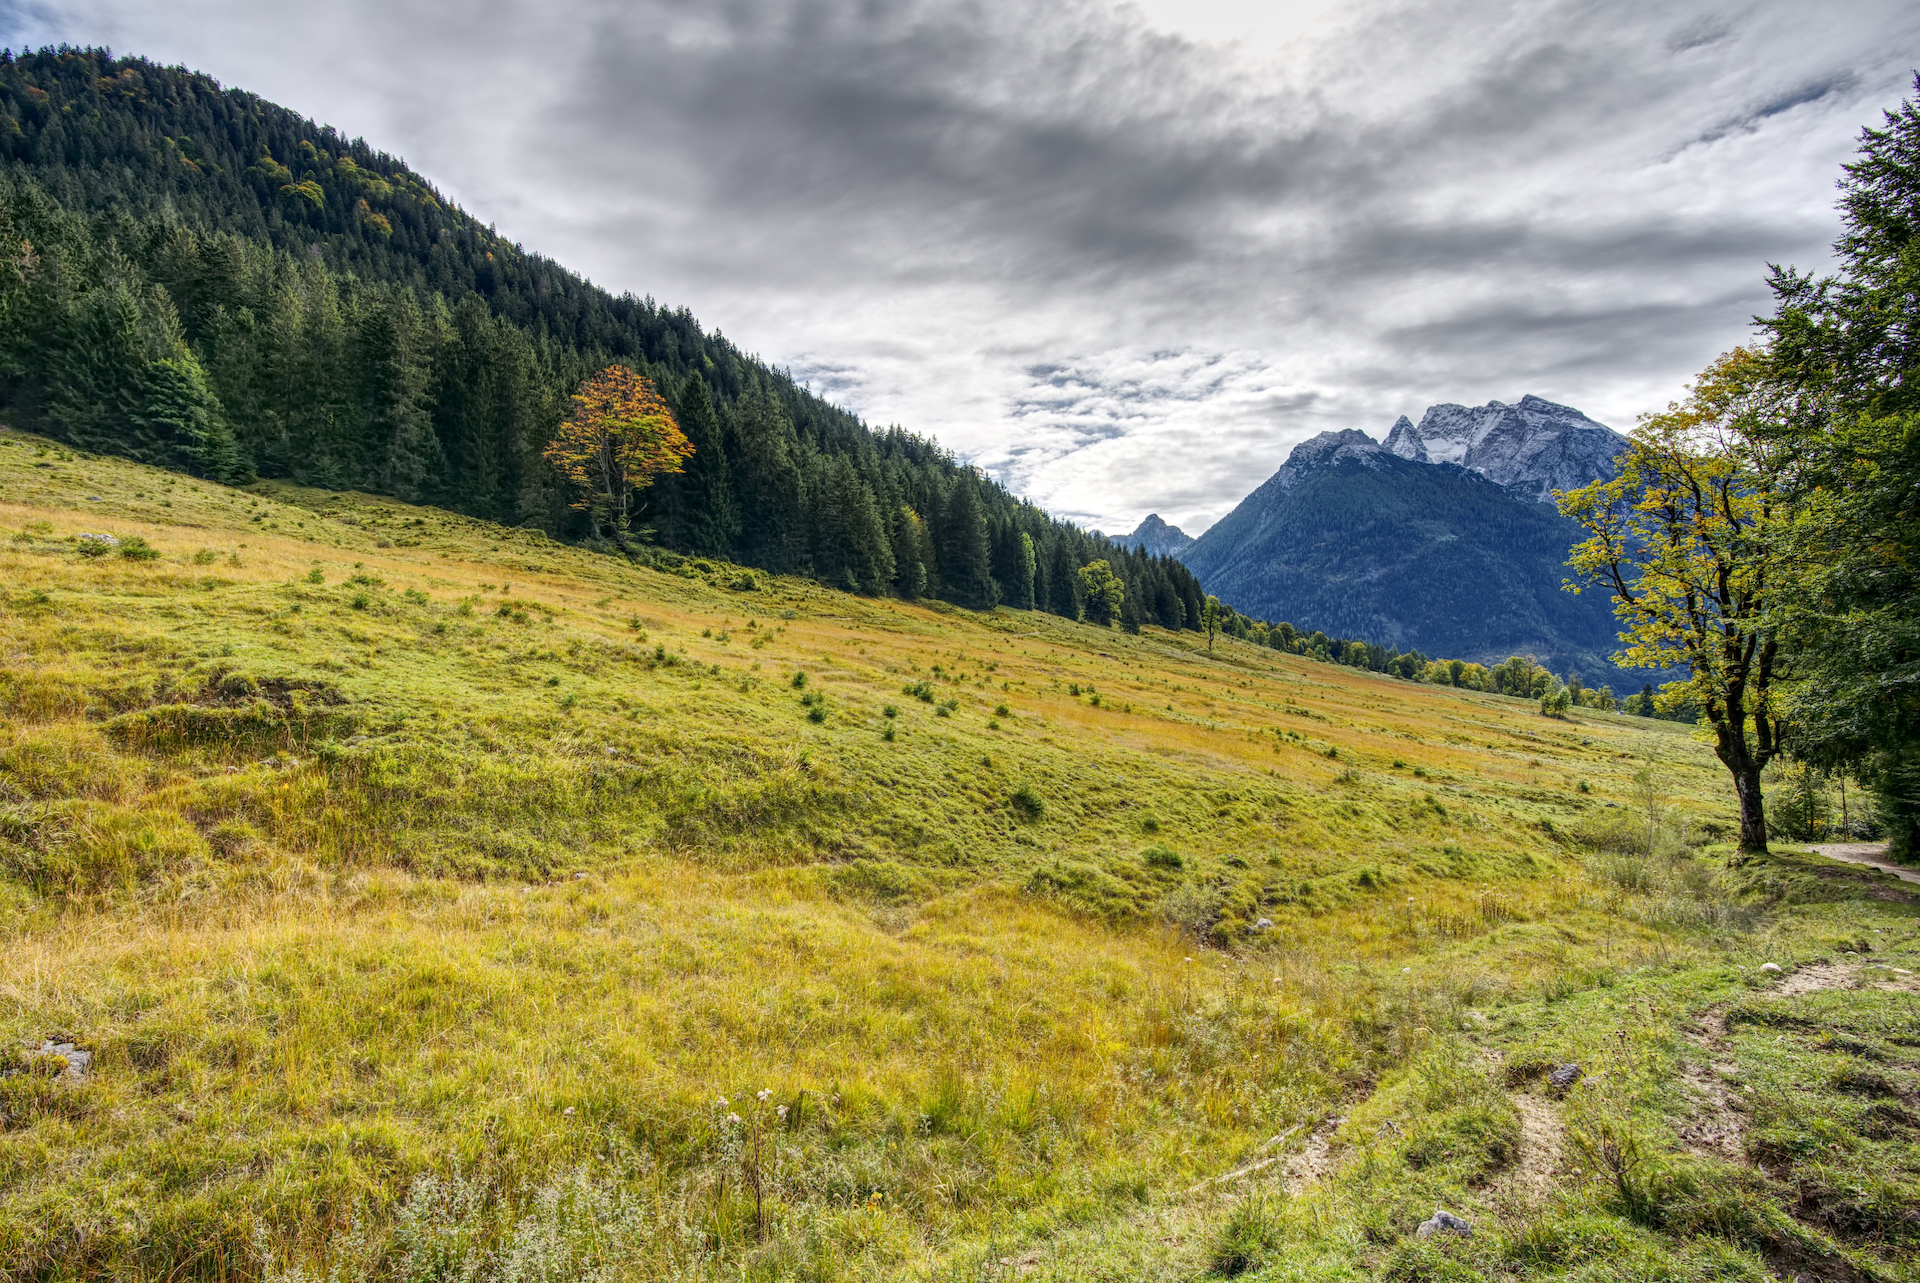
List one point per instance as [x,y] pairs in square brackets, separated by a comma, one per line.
[1443,1223]
[78,1061]
[1565,1076]
[1770,966]
[1263,924]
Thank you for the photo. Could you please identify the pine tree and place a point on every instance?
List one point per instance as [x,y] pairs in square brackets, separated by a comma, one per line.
[708,521]
[772,530]
[961,538]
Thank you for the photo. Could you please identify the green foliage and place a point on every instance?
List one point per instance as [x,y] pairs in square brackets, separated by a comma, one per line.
[1843,355]
[1162,857]
[1027,803]
[1247,1239]
[1103,591]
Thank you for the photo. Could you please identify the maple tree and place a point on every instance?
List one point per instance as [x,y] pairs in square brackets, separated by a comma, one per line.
[620,436]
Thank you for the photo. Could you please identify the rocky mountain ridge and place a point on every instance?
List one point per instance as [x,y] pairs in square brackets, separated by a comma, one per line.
[1156,538]
[1532,447]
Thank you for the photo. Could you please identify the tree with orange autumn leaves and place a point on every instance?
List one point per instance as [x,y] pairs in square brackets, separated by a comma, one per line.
[620,436]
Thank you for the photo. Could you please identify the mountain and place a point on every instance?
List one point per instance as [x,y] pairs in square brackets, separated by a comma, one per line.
[1353,539]
[1156,538]
[194,277]
[1533,448]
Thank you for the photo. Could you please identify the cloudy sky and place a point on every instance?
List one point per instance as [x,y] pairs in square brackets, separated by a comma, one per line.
[1123,256]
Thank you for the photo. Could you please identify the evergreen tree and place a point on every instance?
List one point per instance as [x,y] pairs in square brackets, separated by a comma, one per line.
[772,532]
[965,562]
[707,521]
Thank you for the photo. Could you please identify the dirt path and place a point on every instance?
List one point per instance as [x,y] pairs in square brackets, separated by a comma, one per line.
[1543,1140]
[1718,1126]
[1314,1160]
[1871,854]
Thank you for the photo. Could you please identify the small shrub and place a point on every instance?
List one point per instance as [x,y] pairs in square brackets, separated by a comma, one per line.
[1149,824]
[919,690]
[1247,1240]
[1162,857]
[889,710]
[1001,710]
[94,545]
[1027,803]
[360,601]
[888,734]
[205,557]
[817,714]
[799,681]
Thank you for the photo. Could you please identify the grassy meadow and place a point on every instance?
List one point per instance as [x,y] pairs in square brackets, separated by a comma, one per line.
[441,902]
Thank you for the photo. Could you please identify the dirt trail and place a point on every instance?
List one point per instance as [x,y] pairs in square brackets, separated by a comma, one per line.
[1717,1126]
[1315,1159]
[1816,976]
[1871,854]
[1543,1142]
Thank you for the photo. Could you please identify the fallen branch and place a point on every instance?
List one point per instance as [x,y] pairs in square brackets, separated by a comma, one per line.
[1250,1168]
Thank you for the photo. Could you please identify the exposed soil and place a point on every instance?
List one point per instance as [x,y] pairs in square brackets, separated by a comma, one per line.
[1816,976]
[1871,854]
[1543,1142]
[1717,1126]
[1315,1160]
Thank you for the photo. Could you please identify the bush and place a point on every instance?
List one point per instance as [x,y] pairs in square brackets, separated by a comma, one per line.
[1162,857]
[1247,1240]
[1027,803]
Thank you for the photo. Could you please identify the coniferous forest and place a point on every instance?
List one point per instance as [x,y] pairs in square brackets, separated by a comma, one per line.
[200,279]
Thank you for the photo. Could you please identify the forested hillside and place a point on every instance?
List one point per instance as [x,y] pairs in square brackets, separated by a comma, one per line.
[195,277]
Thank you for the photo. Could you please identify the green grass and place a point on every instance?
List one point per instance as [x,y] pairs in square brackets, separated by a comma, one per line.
[422,887]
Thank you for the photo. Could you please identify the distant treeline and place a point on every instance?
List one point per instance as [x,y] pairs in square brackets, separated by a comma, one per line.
[199,279]
[1517,675]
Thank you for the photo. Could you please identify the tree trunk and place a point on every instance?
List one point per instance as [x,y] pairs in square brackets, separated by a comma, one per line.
[1753,816]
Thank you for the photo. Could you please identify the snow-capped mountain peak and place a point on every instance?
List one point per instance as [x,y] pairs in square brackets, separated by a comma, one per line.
[1532,447]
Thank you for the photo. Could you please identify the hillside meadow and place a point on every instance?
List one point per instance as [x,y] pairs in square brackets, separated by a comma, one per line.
[438,901]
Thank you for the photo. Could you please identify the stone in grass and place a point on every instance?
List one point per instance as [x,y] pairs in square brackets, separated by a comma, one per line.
[78,1061]
[1565,1076]
[1770,966]
[1443,1223]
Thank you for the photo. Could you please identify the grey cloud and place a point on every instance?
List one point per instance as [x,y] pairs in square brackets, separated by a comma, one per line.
[1123,269]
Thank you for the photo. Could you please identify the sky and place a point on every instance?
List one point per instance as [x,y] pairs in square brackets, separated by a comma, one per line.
[1123,256]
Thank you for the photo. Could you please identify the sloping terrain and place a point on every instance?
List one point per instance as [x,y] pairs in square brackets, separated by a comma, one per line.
[422,898]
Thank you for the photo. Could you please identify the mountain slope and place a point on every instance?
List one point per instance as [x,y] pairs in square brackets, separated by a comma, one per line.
[1352,539]
[434,900]
[1156,538]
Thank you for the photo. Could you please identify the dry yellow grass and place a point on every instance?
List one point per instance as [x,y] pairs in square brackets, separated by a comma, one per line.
[363,842]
